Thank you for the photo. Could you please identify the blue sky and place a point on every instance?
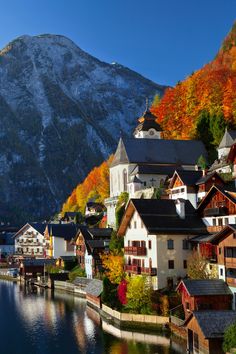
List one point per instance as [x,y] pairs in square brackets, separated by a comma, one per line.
[164,40]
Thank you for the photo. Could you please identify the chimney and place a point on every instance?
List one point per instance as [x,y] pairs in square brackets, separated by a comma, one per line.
[180,207]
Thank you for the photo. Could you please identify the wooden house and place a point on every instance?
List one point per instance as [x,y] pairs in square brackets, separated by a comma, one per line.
[90,243]
[218,208]
[206,294]
[205,331]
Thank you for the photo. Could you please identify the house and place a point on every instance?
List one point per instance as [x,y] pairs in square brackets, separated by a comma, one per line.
[157,157]
[71,217]
[94,291]
[31,268]
[7,242]
[90,243]
[93,208]
[205,330]
[222,164]
[218,208]
[59,237]
[192,185]
[30,241]
[204,294]
[225,242]
[156,238]
[183,185]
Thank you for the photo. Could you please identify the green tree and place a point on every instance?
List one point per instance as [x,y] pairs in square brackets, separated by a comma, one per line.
[120,207]
[197,266]
[230,339]
[116,244]
[203,129]
[202,162]
[139,295]
[217,128]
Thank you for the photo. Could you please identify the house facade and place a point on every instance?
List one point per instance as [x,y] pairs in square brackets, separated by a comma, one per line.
[156,238]
[30,241]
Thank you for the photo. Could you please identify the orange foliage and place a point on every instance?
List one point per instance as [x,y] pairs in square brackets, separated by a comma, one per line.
[212,88]
[95,186]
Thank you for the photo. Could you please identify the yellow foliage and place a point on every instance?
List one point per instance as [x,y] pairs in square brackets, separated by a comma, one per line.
[114,267]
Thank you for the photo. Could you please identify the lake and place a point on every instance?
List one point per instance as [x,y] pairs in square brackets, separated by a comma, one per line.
[38,321]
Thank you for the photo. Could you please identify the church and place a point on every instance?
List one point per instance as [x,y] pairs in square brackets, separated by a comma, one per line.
[146,160]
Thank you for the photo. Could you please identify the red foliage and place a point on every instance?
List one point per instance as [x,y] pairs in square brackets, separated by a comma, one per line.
[121,291]
[212,88]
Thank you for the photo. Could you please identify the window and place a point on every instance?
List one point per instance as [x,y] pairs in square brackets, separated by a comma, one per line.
[185,264]
[219,250]
[185,244]
[226,221]
[170,244]
[195,342]
[171,264]
[149,244]
[125,180]
[135,224]
[220,222]
[221,272]
[214,222]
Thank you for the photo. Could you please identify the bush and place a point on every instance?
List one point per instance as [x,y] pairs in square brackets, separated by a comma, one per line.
[139,294]
[230,338]
[76,272]
[109,294]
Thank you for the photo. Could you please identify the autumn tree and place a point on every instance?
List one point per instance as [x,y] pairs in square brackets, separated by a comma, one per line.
[197,266]
[116,244]
[120,207]
[114,267]
[139,295]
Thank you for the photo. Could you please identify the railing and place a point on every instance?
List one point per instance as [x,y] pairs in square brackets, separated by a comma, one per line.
[136,251]
[230,262]
[213,229]
[140,270]
[221,210]
[177,315]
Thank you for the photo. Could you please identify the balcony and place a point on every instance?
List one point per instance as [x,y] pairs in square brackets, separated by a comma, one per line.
[213,229]
[230,262]
[220,211]
[134,269]
[136,251]
[231,281]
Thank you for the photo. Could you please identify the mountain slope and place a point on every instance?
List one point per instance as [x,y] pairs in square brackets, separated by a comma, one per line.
[211,89]
[61,113]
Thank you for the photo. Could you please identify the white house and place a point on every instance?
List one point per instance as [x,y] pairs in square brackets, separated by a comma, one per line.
[156,234]
[30,241]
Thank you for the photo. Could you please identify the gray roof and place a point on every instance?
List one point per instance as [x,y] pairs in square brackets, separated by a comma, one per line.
[153,170]
[228,139]
[160,215]
[94,288]
[206,287]
[189,178]
[158,151]
[66,231]
[38,262]
[205,178]
[81,281]
[202,238]
[214,323]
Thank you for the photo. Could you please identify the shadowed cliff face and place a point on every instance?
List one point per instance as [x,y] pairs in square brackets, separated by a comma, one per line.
[61,113]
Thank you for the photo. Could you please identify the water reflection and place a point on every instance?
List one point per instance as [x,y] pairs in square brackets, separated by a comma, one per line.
[42,322]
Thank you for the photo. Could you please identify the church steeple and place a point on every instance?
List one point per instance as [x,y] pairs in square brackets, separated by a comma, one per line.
[148,126]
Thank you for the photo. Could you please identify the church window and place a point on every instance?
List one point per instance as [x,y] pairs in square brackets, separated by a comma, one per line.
[125,180]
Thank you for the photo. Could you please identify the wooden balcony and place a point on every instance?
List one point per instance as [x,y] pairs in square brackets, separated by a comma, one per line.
[230,262]
[213,229]
[136,251]
[219,211]
[134,269]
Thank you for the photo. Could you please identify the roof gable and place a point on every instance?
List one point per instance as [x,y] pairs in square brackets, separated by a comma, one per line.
[208,197]
[228,138]
[205,287]
[39,227]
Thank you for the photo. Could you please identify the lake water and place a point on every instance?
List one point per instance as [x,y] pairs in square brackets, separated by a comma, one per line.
[40,322]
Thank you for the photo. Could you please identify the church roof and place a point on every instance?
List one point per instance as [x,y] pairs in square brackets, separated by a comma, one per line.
[146,122]
[228,139]
[158,151]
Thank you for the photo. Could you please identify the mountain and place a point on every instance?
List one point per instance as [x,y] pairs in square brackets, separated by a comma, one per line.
[61,113]
[210,91]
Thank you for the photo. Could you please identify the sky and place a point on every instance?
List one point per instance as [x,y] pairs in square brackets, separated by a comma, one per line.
[164,40]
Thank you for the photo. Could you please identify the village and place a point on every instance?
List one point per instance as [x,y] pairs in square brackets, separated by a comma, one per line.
[175,230]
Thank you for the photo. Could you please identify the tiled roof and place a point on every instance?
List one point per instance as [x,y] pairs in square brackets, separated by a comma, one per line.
[206,287]
[189,178]
[38,262]
[214,323]
[205,178]
[158,151]
[94,288]
[153,170]
[147,121]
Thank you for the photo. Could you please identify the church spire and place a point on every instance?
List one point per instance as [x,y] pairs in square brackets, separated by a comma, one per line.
[148,126]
